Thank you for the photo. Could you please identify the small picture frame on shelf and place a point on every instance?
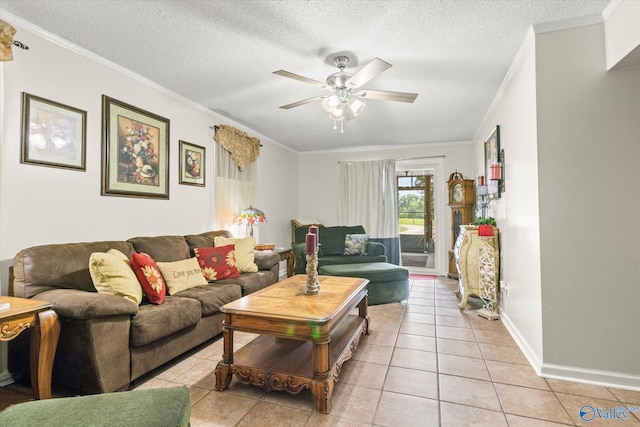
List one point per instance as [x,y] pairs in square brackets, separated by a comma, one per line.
[53,134]
[192,164]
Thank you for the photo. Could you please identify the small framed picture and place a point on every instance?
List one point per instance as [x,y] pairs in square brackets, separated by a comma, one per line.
[53,134]
[135,151]
[192,164]
[491,157]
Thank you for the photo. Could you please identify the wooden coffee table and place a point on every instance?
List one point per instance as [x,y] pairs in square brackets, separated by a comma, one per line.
[304,339]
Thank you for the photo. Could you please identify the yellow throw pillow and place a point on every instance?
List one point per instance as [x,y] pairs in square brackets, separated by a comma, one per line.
[112,274]
[181,275]
[244,252]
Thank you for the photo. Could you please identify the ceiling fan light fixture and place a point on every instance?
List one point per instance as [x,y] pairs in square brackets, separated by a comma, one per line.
[356,106]
[330,103]
[336,114]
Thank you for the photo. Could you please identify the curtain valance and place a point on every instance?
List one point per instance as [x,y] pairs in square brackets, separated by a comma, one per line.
[6,40]
[243,148]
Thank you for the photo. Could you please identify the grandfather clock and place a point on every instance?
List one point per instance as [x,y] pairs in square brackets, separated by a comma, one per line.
[462,197]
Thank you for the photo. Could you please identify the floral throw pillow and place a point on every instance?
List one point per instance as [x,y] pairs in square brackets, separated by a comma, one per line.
[245,258]
[218,263]
[149,277]
[356,244]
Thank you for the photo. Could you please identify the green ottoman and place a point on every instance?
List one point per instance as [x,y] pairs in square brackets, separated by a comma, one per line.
[387,282]
[162,407]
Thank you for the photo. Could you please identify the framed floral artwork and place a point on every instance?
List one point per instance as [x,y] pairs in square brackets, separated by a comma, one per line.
[53,134]
[491,157]
[135,151]
[192,164]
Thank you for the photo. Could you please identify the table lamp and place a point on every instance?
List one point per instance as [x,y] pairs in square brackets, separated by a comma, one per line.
[249,217]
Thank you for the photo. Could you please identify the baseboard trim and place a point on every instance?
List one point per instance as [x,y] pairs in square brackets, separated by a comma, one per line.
[529,353]
[570,373]
[591,376]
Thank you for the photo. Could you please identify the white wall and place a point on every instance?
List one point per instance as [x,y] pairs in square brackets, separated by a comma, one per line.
[41,205]
[517,211]
[588,152]
[319,176]
[622,32]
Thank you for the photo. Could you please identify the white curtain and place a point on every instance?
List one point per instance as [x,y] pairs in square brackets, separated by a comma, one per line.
[368,197]
[235,191]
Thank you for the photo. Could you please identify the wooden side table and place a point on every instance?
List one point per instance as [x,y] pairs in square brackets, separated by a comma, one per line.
[24,313]
[286,254]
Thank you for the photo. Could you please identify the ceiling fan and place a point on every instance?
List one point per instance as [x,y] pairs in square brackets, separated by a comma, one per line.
[344,100]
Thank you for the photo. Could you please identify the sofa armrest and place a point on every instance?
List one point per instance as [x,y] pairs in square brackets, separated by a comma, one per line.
[265,260]
[77,304]
[375,248]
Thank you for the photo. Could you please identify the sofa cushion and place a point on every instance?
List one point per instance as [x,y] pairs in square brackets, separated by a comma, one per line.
[332,238]
[213,296]
[217,263]
[355,244]
[154,322]
[181,275]
[374,271]
[204,240]
[162,248]
[60,266]
[168,406]
[251,282]
[149,276]
[244,252]
[111,273]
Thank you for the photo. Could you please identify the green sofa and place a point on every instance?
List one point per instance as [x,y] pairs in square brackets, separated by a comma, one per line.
[387,282]
[161,407]
[331,248]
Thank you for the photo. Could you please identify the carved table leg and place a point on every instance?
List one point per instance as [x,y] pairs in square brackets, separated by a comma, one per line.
[362,312]
[44,340]
[223,369]
[322,391]
[322,385]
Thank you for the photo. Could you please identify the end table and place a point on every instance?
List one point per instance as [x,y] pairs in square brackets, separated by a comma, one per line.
[286,254]
[24,313]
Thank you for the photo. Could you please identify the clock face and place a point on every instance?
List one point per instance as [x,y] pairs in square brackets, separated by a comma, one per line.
[457,193]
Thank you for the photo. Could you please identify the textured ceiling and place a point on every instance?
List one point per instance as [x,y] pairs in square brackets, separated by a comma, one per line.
[221,54]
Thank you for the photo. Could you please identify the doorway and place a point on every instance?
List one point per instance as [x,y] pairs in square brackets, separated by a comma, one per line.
[420,204]
[416,220]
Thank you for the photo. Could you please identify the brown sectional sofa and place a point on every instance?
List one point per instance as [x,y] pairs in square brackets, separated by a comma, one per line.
[106,341]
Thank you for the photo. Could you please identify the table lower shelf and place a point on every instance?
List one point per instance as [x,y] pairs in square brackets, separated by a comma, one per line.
[283,364]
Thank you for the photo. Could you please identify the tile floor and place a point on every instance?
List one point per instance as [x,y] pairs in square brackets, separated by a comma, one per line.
[424,363]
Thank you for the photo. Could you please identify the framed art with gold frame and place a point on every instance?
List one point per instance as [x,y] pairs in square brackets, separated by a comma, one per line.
[135,151]
[53,134]
[192,164]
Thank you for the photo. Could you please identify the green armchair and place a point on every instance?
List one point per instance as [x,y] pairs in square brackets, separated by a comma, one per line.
[331,248]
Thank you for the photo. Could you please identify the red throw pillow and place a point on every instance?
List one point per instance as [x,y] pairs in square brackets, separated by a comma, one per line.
[149,276]
[218,263]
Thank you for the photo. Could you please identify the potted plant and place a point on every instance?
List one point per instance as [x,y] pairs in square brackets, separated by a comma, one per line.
[485,221]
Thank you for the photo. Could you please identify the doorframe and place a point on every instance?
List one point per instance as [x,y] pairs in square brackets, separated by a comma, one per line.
[436,164]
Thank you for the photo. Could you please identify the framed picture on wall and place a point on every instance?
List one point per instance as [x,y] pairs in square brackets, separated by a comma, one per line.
[135,151]
[53,134]
[491,157]
[192,164]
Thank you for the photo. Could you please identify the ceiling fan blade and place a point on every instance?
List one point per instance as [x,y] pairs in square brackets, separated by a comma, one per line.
[300,78]
[368,72]
[304,101]
[388,95]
